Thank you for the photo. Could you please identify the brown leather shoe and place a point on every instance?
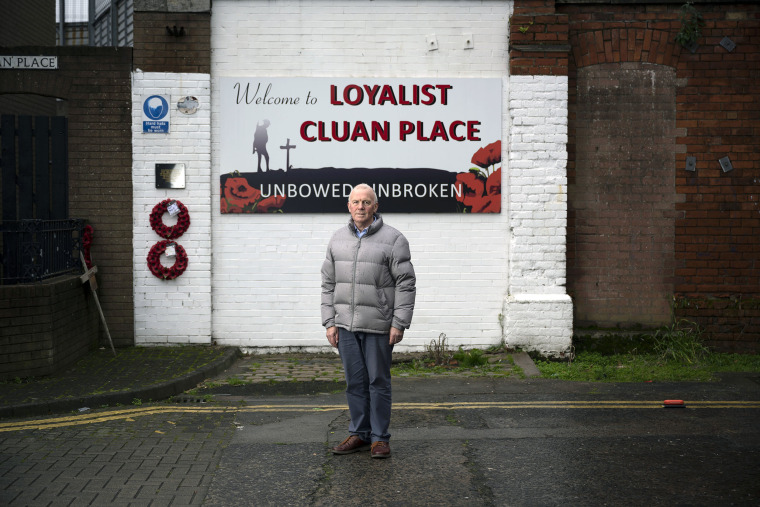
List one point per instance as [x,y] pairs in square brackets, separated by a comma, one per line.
[380,450]
[351,444]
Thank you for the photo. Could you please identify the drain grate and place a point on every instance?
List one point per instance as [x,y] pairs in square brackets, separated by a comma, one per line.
[183,398]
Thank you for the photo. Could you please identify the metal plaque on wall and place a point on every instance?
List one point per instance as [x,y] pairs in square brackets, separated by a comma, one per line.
[170,175]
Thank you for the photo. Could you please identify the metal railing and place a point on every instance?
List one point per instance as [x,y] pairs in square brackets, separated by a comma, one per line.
[34,250]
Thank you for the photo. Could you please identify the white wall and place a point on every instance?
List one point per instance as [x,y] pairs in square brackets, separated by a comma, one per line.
[179,310]
[539,313]
[266,280]
[254,281]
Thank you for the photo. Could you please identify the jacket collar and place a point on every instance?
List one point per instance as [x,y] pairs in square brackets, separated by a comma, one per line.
[373,227]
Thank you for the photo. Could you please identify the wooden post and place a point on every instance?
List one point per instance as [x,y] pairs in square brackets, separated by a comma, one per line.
[89,276]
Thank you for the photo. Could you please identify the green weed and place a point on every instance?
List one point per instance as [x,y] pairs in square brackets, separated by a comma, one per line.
[682,341]
[470,358]
[438,352]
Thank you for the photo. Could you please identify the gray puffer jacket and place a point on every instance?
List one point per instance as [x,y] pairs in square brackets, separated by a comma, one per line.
[368,284]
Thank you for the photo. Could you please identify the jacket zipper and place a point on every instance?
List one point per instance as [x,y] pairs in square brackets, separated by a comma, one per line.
[353,283]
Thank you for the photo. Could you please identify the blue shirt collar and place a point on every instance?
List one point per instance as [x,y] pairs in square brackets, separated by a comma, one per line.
[361,233]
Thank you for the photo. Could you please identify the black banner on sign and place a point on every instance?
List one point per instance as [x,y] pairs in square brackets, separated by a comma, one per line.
[326,190]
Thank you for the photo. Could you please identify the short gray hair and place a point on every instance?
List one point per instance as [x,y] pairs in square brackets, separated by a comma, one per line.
[363,186]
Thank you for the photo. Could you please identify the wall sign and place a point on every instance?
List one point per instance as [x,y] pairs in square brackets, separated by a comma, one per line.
[155,115]
[28,62]
[300,144]
[170,175]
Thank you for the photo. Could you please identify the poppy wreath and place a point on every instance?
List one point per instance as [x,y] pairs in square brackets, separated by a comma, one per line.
[157,220]
[161,271]
[87,236]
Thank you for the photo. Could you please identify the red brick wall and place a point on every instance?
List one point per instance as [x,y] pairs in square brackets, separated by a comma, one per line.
[538,39]
[716,221]
[622,195]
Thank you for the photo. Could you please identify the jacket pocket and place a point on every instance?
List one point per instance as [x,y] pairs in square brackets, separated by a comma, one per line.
[382,304]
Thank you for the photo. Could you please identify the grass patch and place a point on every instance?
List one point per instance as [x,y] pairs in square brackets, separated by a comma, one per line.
[439,360]
[595,367]
[671,354]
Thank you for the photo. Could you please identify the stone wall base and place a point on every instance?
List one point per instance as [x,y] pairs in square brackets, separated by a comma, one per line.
[540,323]
[47,326]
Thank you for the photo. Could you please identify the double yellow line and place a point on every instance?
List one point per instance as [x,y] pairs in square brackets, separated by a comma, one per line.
[128,414]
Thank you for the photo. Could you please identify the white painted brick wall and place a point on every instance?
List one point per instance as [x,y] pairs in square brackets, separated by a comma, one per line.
[539,312]
[540,322]
[179,310]
[537,183]
[266,282]
[478,280]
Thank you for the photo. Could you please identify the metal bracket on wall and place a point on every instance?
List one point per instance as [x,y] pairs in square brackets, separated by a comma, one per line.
[725,164]
[432,42]
[691,164]
[468,42]
[728,44]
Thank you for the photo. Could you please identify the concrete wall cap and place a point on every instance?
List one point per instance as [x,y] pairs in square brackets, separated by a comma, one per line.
[172,6]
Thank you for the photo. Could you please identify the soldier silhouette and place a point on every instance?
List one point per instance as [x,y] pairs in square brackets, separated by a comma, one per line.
[260,138]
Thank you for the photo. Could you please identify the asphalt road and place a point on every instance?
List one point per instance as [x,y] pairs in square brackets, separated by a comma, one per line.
[456,441]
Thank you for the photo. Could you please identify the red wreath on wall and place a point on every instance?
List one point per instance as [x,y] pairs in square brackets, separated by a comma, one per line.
[173,232]
[157,220]
[87,237]
[161,271]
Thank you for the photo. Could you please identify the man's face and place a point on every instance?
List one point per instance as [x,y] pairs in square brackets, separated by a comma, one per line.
[362,207]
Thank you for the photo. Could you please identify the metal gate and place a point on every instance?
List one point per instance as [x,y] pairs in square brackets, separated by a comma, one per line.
[34,180]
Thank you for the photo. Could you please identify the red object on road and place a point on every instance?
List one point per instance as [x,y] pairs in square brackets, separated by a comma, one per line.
[673,404]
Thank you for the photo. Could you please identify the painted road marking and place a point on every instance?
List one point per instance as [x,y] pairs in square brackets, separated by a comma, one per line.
[128,413]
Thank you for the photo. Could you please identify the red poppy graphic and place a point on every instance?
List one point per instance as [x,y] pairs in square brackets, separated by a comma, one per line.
[477,190]
[238,196]
[491,202]
[223,204]
[488,156]
[239,193]
[493,183]
[271,202]
[469,188]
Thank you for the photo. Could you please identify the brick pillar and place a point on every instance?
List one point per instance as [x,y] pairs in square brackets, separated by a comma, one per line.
[172,58]
[538,312]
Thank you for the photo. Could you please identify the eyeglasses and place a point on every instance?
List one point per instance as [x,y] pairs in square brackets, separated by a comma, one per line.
[365,202]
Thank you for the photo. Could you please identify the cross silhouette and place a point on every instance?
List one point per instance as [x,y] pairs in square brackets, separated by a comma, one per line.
[288,147]
[89,276]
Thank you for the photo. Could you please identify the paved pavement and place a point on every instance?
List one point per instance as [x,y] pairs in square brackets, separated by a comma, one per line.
[100,379]
[263,439]
[144,374]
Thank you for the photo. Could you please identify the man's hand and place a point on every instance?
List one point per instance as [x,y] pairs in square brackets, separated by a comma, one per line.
[396,335]
[332,336]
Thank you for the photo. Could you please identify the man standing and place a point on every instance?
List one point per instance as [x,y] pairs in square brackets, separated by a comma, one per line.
[368,291]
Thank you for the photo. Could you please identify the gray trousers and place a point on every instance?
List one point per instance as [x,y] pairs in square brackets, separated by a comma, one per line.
[367,363]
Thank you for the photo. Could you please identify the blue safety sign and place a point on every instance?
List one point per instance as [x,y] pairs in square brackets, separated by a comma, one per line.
[155,115]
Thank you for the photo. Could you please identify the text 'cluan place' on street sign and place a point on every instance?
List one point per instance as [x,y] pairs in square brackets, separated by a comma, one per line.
[28,62]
